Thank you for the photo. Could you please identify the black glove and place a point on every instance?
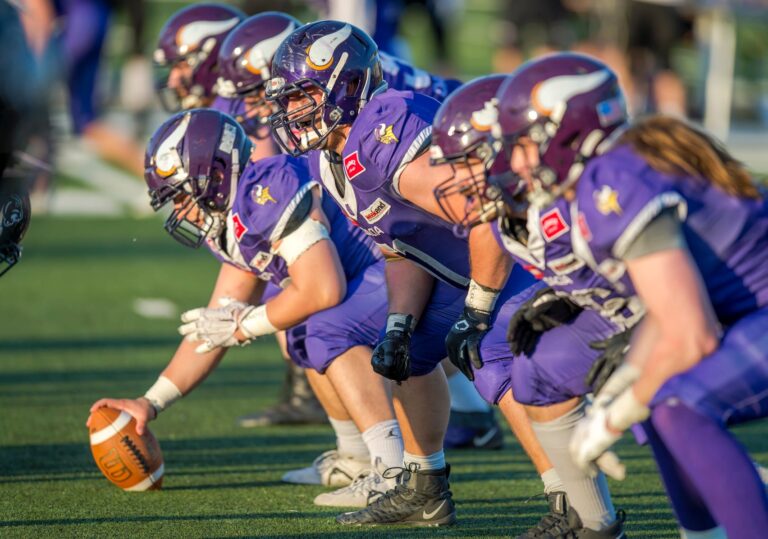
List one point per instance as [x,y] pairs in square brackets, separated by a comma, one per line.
[463,341]
[614,349]
[391,357]
[544,311]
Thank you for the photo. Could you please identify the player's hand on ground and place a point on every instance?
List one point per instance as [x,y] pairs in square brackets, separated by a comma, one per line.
[391,358]
[590,443]
[215,328]
[613,349]
[141,410]
[463,341]
[544,311]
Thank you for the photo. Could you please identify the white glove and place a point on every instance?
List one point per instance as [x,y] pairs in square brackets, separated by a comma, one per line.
[215,327]
[589,444]
[617,383]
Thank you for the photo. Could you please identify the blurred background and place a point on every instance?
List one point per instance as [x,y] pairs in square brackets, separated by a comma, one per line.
[703,59]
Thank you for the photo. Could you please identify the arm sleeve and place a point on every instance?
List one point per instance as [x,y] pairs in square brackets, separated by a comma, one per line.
[662,233]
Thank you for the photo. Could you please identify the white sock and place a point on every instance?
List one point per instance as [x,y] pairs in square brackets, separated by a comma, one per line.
[714,533]
[385,443]
[435,461]
[588,496]
[349,441]
[464,396]
[552,482]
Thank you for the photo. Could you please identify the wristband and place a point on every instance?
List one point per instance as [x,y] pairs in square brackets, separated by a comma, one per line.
[400,322]
[626,410]
[162,394]
[255,323]
[481,298]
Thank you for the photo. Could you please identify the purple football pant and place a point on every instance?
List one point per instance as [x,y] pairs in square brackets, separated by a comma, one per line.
[356,321]
[728,387]
[558,366]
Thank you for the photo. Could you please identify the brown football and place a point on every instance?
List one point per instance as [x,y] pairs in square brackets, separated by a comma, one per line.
[130,461]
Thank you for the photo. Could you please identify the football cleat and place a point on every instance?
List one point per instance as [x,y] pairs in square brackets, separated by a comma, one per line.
[329,469]
[473,430]
[366,489]
[419,498]
[563,522]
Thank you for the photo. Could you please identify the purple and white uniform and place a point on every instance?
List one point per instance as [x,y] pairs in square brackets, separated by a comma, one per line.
[618,195]
[270,195]
[392,130]
[402,76]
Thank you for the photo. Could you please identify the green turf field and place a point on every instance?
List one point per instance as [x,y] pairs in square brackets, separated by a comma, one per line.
[69,335]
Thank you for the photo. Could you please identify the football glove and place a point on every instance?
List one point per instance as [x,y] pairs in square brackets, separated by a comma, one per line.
[215,327]
[391,357]
[614,349]
[463,341]
[544,311]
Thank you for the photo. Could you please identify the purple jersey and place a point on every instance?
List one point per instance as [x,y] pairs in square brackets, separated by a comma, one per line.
[402,76]
[268,194]
[619,194]
[391,131]
[549,256]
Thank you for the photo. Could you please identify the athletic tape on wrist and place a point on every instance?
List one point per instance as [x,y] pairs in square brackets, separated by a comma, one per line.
[256,323]
[162,394]
[399,322]
[480,297]
[626,410]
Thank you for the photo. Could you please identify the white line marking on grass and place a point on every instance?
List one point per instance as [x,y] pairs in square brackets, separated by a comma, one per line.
[155,308]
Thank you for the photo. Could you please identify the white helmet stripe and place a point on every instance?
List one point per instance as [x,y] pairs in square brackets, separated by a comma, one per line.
[260,55]
[560,89]
[194,32]
[321,51]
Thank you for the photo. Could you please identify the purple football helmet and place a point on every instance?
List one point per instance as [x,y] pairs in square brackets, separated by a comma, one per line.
[192,35]
[332,59]
[14,221]
[569,105]
[461,137]
[194,161]
[245,62]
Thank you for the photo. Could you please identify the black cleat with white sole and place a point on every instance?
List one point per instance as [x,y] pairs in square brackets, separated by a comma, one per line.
[420,498]
[563,522]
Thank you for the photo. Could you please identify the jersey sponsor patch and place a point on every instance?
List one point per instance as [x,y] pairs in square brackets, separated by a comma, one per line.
[553,225]
[533,270]
[352,166]
[261,260]
[261,195]
[566,264]
[239,228]
[584,230]
[376,211]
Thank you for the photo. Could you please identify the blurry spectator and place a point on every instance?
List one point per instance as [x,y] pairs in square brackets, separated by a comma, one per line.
[654,28]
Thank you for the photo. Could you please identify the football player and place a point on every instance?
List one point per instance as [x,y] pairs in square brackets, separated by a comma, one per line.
[367,144]
[265,221]
[187,53]
[551,386]
[244,66]
[663,211]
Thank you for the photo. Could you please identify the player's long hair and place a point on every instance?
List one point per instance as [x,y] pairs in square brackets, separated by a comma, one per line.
[672,146]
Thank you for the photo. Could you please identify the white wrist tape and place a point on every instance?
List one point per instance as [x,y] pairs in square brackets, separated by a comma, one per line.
[255,323]
[620,380]
[294,244]
[481,298]
[397,321]
[162,394]
[626,410]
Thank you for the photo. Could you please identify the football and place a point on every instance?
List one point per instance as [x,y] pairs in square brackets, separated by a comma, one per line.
[130,461]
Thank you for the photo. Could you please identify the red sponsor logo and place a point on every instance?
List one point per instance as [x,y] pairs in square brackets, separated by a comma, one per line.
[553,225]
[352,166]
[238,227]
[584,230]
